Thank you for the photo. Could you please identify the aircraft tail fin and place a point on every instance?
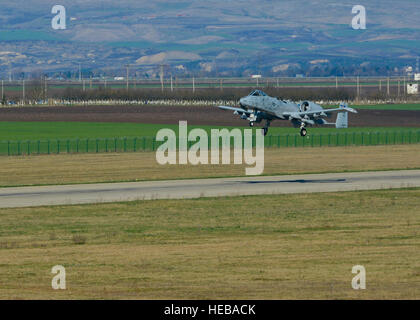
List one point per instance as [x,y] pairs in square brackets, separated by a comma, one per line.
[342,121]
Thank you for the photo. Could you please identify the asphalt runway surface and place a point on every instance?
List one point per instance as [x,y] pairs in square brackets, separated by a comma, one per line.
[188,189]
[195,115]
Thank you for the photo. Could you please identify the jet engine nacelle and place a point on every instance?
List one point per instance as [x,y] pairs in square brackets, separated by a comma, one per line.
[309,106]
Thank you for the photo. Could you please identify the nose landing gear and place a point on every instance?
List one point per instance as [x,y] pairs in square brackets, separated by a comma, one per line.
[265,129]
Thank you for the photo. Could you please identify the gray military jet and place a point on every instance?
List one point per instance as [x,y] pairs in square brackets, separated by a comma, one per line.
[258,106]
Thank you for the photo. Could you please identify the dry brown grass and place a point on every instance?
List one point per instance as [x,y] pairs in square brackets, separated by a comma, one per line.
[82,168]
[260,247]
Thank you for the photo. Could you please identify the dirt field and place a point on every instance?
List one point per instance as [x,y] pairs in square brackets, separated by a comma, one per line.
[204,115]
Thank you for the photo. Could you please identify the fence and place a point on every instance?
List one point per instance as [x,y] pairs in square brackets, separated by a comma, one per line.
[134,144]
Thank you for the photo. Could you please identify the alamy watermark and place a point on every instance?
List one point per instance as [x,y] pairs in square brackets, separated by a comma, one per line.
[359,280]
[58,282]
[359,20]
[58,22]
[198,153]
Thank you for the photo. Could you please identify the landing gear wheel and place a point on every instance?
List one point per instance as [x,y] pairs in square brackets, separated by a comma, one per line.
[251,124]
[264,131]
[303,132]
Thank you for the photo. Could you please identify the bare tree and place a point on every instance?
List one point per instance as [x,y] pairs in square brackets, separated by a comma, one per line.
[36,90]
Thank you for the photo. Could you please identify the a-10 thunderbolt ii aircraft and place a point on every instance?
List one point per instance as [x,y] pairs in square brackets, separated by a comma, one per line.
[258,106]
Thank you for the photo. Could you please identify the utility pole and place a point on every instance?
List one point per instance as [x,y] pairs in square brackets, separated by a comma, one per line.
[2,90]
[405,87]
[127,67]
[193,84]
[358,88]
[23,91]
[161,76]
[80,72]
[387,90]
[380,85]
[172,86]
[45,88]
[336,82]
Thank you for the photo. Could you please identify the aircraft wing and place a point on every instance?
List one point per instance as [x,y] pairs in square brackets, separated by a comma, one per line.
[238,110]
[320,113]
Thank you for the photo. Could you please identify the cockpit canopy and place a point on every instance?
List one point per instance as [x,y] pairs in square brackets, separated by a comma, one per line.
[257,93]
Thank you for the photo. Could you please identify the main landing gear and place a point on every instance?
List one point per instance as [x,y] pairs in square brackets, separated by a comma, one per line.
[303,131]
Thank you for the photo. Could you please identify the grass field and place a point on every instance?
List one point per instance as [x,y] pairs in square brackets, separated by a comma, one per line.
[111,167]
[402,106]
[19,138]
[22,35]
[254,247]
[71,130]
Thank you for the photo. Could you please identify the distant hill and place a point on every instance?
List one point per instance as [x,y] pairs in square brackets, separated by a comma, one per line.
[214,37]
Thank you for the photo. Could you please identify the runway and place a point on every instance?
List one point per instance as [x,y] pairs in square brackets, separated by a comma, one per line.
[187,189]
